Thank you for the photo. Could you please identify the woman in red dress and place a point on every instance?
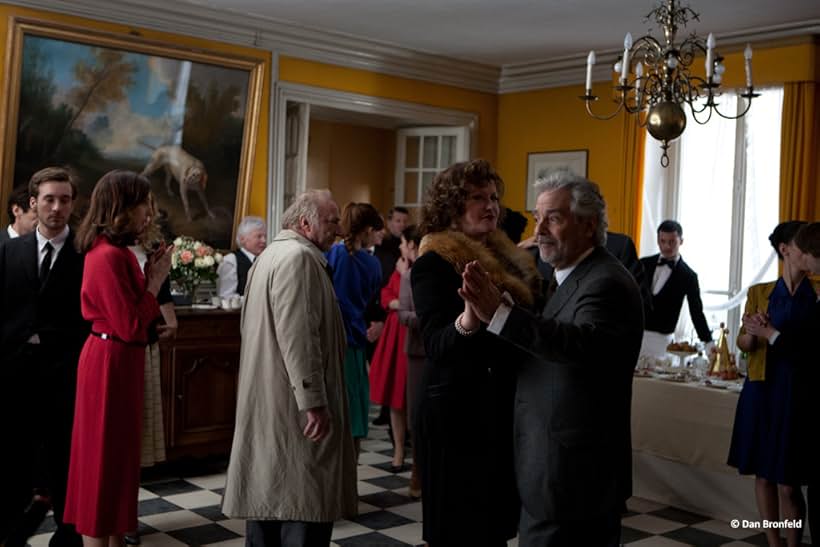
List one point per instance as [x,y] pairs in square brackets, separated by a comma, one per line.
[388,371]
[120,302]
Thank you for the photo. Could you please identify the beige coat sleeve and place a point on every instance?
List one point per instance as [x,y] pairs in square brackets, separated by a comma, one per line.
[298,311]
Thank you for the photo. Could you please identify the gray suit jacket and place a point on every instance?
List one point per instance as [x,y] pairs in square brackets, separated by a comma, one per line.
[573,398]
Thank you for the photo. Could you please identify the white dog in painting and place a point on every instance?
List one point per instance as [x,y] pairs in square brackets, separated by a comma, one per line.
[188,171]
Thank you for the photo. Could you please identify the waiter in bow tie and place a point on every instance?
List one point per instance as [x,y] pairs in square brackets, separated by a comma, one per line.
[669,279]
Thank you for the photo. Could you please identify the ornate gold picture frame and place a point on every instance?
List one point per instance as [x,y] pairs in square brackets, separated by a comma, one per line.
[95,101]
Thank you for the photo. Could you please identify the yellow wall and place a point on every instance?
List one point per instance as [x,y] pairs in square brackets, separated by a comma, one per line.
[355,163]
[401,89]
[257,201]
[555,120]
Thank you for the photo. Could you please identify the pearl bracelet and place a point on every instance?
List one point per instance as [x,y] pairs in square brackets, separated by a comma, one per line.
[461,330]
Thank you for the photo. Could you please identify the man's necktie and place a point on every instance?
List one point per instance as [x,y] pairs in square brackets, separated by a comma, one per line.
[45,267]
[667,262]
[552,287]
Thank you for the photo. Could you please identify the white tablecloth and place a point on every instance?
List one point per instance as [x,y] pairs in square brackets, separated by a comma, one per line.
[680,441]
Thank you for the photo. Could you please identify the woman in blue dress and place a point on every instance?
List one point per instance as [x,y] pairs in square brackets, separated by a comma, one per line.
[766,435]
[357,276]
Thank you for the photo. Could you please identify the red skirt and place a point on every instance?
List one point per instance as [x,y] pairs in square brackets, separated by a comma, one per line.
[388,370]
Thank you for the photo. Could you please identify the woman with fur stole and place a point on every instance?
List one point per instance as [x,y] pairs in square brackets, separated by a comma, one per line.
[463,420]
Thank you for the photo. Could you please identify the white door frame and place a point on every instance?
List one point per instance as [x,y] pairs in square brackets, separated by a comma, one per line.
[366,104]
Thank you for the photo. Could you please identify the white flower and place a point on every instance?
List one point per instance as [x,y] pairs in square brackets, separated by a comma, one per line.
[199,262]
[178,242]
[209,260]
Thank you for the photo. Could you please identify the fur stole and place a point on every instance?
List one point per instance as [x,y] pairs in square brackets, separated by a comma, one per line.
[511,268]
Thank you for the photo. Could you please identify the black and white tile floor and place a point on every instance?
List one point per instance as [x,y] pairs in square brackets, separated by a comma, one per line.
[178,511]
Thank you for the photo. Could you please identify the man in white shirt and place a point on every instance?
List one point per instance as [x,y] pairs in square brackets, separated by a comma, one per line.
[41,334]
[251,236]
[670,279]
[22,217]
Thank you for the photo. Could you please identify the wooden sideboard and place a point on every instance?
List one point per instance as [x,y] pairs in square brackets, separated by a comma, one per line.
[199,380]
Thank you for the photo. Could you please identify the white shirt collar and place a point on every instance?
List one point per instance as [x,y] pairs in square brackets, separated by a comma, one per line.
[562,274]
[12,232]
[56,242]
[247,253]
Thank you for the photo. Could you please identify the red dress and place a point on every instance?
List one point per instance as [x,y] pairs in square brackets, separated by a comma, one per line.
[104,472]
[388,370]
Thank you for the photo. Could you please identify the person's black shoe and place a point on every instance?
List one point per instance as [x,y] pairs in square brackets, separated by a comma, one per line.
[132,539]
[398,468]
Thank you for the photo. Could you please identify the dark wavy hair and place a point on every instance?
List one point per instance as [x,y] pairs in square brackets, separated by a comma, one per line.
[113,201]
[356,218]
[446,198]
[808,239]
[784,233]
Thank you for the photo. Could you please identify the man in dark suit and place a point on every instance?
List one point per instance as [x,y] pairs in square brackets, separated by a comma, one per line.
[669,279]
[22,218]
[621,247]
[41,334]
[251,240]
[573,398]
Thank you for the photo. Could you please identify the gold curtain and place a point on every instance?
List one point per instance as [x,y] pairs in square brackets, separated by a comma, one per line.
[799,149]
[634,139]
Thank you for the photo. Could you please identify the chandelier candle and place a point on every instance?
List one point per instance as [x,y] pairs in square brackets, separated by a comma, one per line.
[710,46]
[590,63]
[625,60]
[747,56]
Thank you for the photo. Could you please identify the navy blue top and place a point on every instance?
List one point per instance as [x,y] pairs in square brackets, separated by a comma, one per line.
[356,278]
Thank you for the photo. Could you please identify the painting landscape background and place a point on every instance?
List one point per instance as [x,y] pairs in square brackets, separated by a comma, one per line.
[97,108]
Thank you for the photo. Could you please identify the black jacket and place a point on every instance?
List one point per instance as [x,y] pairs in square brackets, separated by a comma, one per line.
[666,305]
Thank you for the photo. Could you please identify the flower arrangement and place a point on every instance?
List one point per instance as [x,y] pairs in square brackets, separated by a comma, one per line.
[192,263]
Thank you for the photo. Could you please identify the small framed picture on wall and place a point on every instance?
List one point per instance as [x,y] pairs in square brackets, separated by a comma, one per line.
[540,164]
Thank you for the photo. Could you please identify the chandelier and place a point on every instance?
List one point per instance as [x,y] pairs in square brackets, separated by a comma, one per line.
[655,81]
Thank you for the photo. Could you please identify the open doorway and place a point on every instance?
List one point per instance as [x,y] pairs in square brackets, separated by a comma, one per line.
[362,148]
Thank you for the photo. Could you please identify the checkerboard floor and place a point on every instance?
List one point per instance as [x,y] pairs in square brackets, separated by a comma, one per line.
[177,511]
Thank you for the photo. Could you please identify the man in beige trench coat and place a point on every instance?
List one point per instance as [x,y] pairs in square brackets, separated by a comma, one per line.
[292,470]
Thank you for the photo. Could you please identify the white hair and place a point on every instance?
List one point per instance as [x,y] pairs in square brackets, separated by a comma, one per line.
[248,225]
[586,202]
[305,205]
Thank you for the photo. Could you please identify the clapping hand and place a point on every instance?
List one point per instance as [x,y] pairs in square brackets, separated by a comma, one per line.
[479,292]
[402,265]
[157,267]
[757,324]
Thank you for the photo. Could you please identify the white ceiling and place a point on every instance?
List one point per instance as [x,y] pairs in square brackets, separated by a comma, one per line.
[503,32]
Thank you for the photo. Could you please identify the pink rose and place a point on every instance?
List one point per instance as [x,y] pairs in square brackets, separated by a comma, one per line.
[186,257]
[203,251]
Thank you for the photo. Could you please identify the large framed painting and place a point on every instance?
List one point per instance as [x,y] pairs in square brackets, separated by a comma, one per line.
[95,101]
[541,163]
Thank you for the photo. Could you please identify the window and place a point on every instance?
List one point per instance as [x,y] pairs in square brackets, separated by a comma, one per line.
[723,186]
[422,153]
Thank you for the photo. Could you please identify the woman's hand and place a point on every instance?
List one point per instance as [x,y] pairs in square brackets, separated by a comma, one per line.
[394,304]
[757,324]
[479,292]
[157,268]
[402,265]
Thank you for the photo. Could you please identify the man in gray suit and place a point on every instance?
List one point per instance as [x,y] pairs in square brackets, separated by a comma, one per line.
[572,410]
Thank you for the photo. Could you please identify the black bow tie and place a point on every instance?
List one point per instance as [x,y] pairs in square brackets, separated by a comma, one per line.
[667,262]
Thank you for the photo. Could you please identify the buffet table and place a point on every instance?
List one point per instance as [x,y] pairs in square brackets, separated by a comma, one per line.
[680,440]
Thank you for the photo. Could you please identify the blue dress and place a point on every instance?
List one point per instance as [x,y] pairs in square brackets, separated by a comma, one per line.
[356,278]
[765,438]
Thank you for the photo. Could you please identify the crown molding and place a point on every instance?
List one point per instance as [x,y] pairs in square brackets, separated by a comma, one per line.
[570,69]
[280,37]
[350,51]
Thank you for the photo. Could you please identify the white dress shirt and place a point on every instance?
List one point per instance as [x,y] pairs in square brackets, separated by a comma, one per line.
[12,232]
[662,274]
[57,243]
[228,279]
